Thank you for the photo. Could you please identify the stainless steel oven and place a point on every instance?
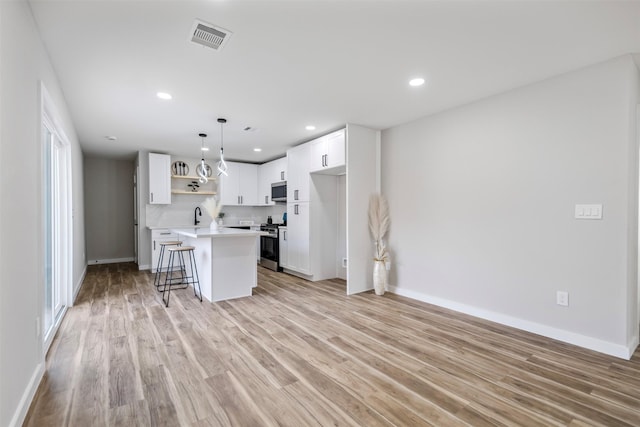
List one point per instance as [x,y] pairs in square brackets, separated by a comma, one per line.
[270,248]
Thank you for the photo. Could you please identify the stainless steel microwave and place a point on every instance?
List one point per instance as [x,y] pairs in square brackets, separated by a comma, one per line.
[279,191]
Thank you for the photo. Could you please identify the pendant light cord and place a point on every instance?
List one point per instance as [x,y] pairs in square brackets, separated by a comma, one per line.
[222,165]
[202,172]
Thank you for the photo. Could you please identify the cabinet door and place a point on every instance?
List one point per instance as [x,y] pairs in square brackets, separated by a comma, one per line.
[248,184]
[318,154]
[159,179]
[228,186]
[265,175]
[279,170]
[298,173]
[240,187]
[284,247]
[298,227]
[335,149]
[157,236]
[268,173]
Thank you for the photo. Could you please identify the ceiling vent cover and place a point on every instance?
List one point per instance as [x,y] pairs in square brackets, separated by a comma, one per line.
[209,35]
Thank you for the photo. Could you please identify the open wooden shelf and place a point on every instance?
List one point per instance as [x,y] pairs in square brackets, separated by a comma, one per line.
[195,193]
[193,178]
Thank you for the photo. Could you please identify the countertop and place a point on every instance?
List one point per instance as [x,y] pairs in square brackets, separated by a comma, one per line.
[168,227]
[205,232]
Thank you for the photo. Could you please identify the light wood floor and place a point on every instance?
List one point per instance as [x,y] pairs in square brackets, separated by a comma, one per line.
[298,353]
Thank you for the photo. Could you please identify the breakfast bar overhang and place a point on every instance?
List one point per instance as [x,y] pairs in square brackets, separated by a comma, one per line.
[225,259]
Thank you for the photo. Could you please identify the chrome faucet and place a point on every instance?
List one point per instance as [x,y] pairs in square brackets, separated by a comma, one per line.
[195,215]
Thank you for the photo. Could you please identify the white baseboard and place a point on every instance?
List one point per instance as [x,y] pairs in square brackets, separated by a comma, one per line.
[76,290]
[144,267]
[27,397]
[606,347]
[633,344]
[109,261]
[298,274]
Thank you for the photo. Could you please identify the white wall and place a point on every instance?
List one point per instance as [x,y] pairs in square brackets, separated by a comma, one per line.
[362,158]
[482,202]
[108,186]
[23,65]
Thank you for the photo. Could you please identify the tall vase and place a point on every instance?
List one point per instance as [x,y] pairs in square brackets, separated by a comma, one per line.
[379,277]
[213,226]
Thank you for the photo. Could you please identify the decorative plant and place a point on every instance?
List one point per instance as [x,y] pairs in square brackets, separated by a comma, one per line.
[221,215]
[379,224]
[212,207]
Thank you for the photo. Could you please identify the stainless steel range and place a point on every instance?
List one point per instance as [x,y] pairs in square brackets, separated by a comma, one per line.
[270,248]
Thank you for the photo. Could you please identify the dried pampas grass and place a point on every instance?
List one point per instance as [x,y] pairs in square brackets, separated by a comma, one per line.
[212,207]
[379,222]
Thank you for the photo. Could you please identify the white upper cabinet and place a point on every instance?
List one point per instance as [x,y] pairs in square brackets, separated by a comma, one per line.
[159,179]
[328,152]
[240,187]
[264,186]
[298,159]
[248,184]
[336,153]
[280,169]
[268,173]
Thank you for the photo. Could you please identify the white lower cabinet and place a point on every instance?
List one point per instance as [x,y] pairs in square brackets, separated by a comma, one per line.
[283,245]
[257,228]
[157,236]
[298,237]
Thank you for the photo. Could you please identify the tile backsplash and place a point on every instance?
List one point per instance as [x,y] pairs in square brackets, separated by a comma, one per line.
[182,207]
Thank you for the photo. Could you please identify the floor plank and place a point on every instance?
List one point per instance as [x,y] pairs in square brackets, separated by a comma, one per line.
[298,353]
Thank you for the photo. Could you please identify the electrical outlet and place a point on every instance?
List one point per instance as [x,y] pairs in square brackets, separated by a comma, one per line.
[562,298]
[344,263]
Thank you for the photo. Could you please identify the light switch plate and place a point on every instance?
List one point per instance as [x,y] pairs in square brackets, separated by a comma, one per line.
[562,298]
[588,212]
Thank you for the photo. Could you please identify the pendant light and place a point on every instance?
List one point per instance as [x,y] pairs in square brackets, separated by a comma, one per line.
[202,170]
[222,165]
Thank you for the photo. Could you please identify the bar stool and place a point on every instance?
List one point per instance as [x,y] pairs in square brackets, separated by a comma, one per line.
[184,279]
[156,280]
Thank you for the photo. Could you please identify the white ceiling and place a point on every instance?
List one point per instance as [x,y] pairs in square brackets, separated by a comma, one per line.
[293,63]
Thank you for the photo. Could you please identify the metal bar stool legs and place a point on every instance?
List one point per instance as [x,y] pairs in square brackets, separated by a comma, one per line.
[163,245]
[184,280]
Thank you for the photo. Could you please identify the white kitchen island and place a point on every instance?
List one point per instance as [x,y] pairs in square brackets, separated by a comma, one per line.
[226,260]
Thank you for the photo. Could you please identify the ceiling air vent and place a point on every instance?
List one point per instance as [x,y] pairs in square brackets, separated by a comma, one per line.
[209,35]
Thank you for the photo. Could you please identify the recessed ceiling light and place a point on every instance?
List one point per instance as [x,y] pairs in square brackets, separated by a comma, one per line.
[205,148]
[257,150]
[111,138]
[163,95]
[310,127]
[416,82]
